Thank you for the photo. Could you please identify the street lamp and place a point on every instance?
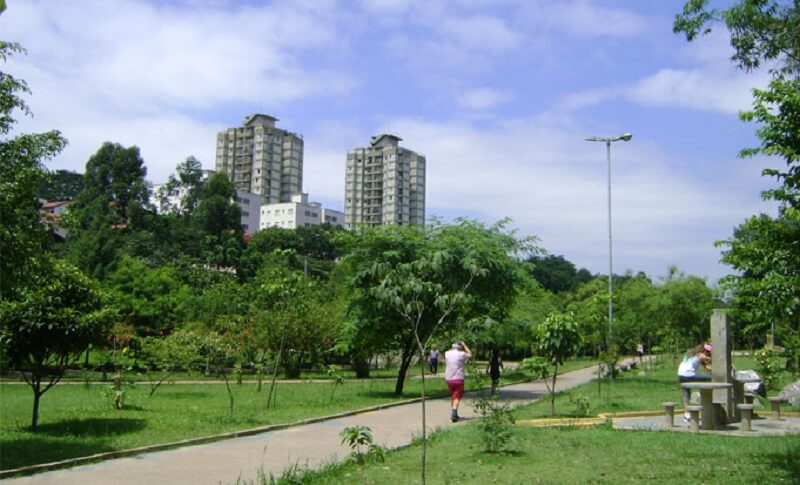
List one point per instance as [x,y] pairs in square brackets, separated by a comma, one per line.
[608,141]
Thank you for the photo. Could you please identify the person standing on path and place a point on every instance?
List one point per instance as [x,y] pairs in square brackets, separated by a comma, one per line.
[455,360]
[493,369]
[687,371]
[433,361]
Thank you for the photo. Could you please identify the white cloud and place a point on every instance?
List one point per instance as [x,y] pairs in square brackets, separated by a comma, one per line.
[584,19]
[140,72]
[554,185]
[703,89]
[480,32]
[482,98]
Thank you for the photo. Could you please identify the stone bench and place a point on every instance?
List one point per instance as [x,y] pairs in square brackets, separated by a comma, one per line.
[746,412]
[776,407]
[694,419]
[669,414]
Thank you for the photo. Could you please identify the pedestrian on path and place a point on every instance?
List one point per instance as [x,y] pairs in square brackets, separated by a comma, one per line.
[493,369]
[687,371]
[433,361]
[455,360]
[640,351]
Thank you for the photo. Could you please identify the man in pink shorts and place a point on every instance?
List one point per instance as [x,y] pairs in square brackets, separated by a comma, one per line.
[455,360]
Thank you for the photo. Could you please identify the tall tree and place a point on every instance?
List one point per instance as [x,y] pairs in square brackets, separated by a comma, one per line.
[111,208]
[764,249]
[219,220]
[22,235]
[409,282]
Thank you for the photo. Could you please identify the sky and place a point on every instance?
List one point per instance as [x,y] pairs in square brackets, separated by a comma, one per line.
[499,95]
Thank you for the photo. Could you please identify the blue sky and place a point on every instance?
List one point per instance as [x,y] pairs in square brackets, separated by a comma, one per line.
[498,94]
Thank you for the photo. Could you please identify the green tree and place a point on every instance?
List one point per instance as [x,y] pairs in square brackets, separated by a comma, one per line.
[557,339]
[50,324]
[405,280]
[219,221]
[763,249]
[188,180]
[557,274]
[414,282]
[61,185]
[686,305]
[294,321]
[111,209]
[22,235]
[149,299]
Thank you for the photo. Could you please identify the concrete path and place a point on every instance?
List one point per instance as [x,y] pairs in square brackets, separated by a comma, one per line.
[311,445]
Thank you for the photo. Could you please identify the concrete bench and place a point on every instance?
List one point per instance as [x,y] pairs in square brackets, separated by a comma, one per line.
[746,412]
[776,407]
[694,419]
[669,414]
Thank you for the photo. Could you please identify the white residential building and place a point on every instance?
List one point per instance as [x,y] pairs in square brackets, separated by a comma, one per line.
[384,184]
[299,213]
[262,159]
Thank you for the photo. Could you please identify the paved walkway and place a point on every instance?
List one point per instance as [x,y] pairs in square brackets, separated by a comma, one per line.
[312,445]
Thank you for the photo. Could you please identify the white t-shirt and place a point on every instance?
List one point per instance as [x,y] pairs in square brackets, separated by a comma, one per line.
[455,360]
[688,367]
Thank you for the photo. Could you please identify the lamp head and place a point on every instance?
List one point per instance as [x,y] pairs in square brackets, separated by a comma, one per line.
[626,137]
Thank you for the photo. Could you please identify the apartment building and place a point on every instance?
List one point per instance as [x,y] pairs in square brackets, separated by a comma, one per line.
[385,184]
[299,213]
[262,159]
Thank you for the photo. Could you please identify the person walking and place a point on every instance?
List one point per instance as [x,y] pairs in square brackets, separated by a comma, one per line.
[493,369]
[455,360]
[433,361]
[640,351]
[687,371]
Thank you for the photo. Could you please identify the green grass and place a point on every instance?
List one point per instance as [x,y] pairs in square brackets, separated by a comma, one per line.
[570,455]
[78,420]
[630,392]
[597,455]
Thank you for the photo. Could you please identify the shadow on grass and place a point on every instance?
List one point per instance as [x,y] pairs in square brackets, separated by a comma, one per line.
[33,451]
[91,427]
[787,461]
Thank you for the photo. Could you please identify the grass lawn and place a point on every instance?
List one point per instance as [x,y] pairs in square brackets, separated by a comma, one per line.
[596,455]
[78,420]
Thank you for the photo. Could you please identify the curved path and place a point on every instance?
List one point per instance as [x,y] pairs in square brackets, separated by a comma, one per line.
[311,445]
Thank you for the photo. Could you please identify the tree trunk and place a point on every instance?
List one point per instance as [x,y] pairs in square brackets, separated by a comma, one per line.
[361,367]
[424,417]
[405,363]
[36,396]
[553,392]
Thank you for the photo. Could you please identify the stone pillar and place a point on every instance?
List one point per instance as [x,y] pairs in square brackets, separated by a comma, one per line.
[721,363]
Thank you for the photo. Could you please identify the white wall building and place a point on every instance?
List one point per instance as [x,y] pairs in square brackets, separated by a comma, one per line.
[299,213]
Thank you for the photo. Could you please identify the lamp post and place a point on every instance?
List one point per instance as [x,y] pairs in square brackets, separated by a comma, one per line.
[608,141]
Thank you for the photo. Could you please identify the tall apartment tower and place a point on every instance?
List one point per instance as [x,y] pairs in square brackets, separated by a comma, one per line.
[262,159]
[385,184]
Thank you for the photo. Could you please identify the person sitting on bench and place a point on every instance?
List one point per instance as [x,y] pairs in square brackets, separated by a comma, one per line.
[687,371]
